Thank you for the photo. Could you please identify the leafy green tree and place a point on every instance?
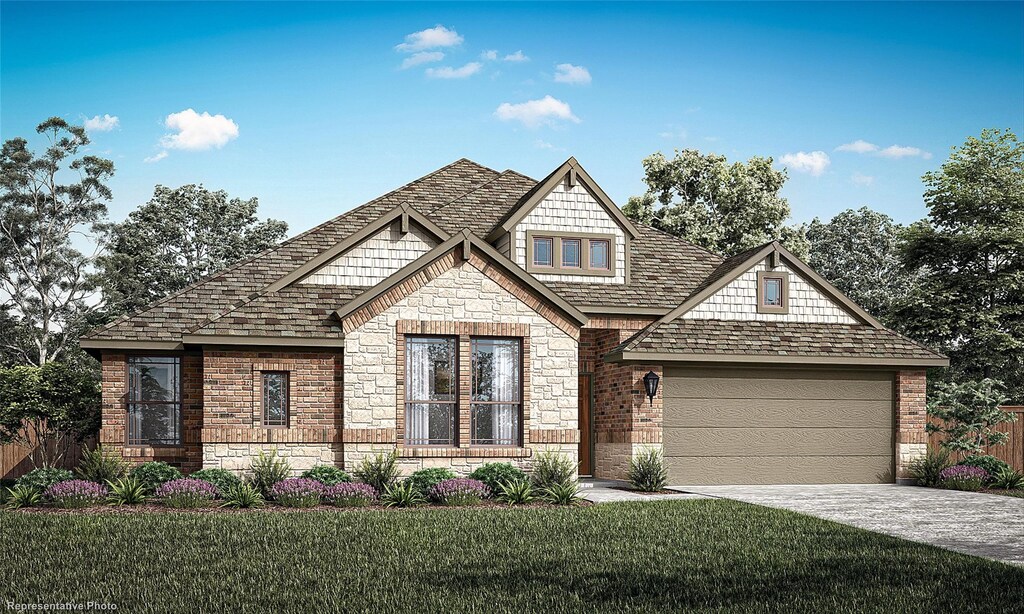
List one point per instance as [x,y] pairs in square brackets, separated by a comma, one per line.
[858,251]
[969,256]
[176,239]
[46,409]
[725,208]
[45,201]
[969,412]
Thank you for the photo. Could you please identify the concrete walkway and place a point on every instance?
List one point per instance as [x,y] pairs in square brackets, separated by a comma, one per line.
[989,526]
[607,491]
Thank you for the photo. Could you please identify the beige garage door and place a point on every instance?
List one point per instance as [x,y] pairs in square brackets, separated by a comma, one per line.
[778,426]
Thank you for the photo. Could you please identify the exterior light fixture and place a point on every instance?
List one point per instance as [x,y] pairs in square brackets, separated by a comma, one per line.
[651,385]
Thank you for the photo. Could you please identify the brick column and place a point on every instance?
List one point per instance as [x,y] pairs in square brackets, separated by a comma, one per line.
[911,417]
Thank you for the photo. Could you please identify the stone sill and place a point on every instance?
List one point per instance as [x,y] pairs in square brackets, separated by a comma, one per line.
[477,452]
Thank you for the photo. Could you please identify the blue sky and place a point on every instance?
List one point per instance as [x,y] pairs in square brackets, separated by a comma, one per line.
[317,115]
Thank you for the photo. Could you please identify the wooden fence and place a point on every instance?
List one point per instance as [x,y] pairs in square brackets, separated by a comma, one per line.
[1013,450]
[16,461]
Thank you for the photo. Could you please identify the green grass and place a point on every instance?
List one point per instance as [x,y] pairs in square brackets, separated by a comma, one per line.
[708,554]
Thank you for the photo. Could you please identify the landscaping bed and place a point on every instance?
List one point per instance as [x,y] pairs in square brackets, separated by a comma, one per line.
[675,555]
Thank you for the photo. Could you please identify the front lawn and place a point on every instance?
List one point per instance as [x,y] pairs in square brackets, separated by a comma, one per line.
[665,554]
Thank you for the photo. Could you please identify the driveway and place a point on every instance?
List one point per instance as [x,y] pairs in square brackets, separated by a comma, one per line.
[990,526]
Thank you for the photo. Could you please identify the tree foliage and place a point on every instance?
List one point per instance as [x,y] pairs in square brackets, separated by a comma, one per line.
[969,256]
[969,412]
[45,200]
[46,409]
[179,237]
[723,207]
[858,251]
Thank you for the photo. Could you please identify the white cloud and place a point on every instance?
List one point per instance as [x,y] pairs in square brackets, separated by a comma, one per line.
[431,38]
[156,157]
[102,124]
[676,133]
[575,75]
[900,151]
[533,113]
[863,180]
[518,56]
[196,132]
[447,72]
[814,162]
[858,146]
[423,57]
[490,54]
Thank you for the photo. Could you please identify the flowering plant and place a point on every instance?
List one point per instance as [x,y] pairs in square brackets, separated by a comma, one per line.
[460,491]
[76,493]
[350,494]
[963,477]
[186,492]
[297,492]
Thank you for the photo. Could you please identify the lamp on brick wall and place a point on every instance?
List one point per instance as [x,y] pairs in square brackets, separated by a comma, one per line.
[651,385]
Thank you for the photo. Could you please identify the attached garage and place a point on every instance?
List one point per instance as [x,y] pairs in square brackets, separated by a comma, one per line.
[778,426]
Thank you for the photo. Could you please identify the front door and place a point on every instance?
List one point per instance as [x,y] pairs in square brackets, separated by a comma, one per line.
[586,427]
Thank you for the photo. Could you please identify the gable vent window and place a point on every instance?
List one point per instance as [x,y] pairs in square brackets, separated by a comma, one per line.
[773,292]
[570,253]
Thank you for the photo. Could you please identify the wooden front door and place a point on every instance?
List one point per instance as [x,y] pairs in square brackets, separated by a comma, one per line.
[586,427]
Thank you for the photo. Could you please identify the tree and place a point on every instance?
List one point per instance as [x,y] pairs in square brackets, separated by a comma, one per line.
[176,239]
[969,412]
[45,200]
[859,253]
[48,408]
[723,207]
[969,256]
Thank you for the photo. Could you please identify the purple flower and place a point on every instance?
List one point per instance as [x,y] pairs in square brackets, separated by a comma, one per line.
[460,491]
[297,492]
[76,493]
[350,494]
[963,472]
[187,486]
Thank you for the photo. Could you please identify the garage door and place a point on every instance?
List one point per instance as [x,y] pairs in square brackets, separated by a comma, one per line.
[778,426]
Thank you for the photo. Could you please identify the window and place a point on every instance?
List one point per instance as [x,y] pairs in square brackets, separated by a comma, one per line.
[571,253]
[598,254]
[543,249]
[431,376]
[773,292]
[275,399]
[154,401]
[497,389]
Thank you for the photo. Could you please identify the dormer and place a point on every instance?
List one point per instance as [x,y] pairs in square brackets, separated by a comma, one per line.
[566,229]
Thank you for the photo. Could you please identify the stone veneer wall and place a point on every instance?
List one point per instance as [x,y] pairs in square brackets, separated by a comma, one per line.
[113,434]
[911,417]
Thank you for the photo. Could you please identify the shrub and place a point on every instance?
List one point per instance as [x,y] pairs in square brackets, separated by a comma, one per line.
[518,492]
[223,479]
[347,494]
[101,465]
[186,493]
[127,491]
[926,470]
[242,496]
[963,477]
[327,475]
[647,471]
[551,468]
[989,463]
[401,494]
[76,493]
[44,477]
[297,492]
[23,496]
[497,474]
[154,473]
[379,471]
[1008,479]
[267,470]
[563,494]
[460,491]
[426,479]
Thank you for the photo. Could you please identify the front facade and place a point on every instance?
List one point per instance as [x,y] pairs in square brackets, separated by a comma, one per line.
[474,316]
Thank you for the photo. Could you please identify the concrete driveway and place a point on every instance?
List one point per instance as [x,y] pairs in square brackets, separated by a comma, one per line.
[990,526]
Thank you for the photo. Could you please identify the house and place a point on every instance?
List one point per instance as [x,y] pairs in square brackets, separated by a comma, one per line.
[475,316]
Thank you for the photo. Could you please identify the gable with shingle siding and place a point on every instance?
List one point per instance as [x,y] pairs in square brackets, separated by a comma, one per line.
[373,260]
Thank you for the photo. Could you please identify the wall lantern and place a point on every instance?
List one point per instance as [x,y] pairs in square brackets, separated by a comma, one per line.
[651,385]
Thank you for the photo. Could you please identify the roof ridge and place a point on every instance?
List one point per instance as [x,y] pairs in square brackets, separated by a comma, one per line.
[466,193]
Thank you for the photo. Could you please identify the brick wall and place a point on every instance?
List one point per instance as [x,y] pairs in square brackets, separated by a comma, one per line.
[911,417]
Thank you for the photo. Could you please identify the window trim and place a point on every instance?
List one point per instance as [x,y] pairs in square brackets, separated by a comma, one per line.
[522,393]
[179,361]
[456,391]
[768,309]
[287,399]
[557,267]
